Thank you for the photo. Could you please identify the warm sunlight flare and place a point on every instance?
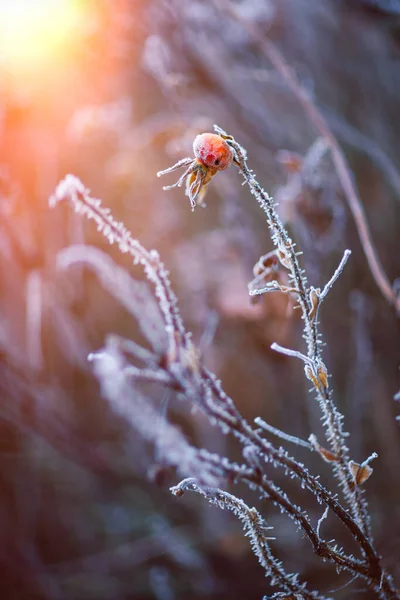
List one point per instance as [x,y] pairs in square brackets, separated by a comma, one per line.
[35,33]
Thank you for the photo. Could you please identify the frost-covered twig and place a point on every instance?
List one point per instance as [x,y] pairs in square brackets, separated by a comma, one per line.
[289,352]
[72,189]
[307,298]
[281,434]
[280,458]
[256,529]
[319,122]
[335,276]
[113,374]
[324,516]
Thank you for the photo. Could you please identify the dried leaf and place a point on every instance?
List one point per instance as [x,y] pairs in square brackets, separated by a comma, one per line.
[312,377]
[314,299]
[322,374]
[327,455]
[266,263]
[360,473]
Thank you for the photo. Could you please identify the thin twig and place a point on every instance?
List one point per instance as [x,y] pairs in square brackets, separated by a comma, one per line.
[289,352]
[281,434]
[321,125]
[324,516]
[255,528]
[315,370]
[334,277]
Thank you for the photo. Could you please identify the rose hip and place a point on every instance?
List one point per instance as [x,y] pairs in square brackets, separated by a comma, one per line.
[212,151]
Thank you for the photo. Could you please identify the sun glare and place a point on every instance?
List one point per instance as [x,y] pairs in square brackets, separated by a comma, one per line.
[34,33]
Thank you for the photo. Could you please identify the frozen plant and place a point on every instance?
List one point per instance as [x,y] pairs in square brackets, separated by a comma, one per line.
[178,366]
[212,154]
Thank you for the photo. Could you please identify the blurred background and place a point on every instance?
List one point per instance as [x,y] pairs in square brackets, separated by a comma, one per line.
[113,91]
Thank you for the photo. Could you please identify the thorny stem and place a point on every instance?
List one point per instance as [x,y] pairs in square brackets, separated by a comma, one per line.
[332,418]
[321,125]
[254,478]
[228,417]
[382,582]
[232,421]
[250,437]
[334,277]
[282,240]
[282,435]
[72,188]
[255,528]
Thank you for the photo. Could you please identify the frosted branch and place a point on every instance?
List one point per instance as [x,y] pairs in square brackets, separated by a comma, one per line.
[289,352]
[324,516]
[335,276]
[281,434]
[255,528]
[71,188]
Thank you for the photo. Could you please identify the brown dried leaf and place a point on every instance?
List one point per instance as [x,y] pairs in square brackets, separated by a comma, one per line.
[322,375]
[314,299]
[327,455]
[360,473]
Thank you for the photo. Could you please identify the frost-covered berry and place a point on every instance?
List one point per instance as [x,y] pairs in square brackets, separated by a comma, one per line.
[212,151]
[212,154]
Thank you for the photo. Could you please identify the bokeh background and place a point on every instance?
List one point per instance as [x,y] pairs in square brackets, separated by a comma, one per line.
[113,91]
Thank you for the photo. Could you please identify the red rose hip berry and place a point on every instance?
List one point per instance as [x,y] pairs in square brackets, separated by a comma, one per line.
[212,151]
